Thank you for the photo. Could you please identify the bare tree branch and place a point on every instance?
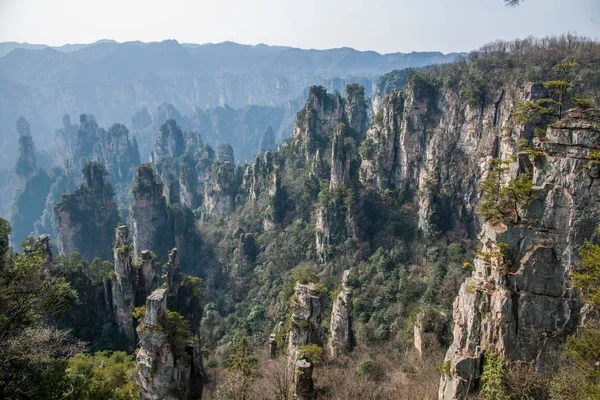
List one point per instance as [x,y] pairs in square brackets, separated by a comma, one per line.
[512,3]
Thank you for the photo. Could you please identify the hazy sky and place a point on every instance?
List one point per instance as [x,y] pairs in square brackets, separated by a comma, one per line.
[381,25]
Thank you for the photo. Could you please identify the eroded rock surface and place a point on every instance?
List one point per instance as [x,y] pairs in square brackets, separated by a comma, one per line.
[123,284]
[340,330]
[165,371]
[519,304]
[87,217]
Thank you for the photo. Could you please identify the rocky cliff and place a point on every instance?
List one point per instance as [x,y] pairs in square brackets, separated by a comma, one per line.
[33,186]
[170,141]
[323,113]
[340,330]
[166,371]
[305,329]
[26,162]
[306,319]
[87,217]
[326,136]
[88,142]
[428,141]
[149,213]
[220,189]
[518,302]
[124,284]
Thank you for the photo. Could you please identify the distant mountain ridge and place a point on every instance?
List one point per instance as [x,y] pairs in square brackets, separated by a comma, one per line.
[7,47]
[114,80]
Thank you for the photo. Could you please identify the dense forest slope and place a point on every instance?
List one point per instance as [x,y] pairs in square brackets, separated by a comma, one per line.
[438,249]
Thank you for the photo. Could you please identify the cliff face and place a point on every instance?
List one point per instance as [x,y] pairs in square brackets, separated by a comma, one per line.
[326,136]
[341,153]
[184,293]
[518,303]
[256,175]
[340,330]
[170,141]
[123,284]
[33,186]
[26,163]
[119,153]
[434,145]
[305,329]
[65,138]
[323,113]
[28,204]
[431,143]
[149,212]
[165,372]
[147,279]
[87,217]
[380,151]
[220,189]
[177,158]
[306,318]
[87,142]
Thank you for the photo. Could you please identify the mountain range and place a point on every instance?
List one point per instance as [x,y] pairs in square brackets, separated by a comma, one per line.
[115,80]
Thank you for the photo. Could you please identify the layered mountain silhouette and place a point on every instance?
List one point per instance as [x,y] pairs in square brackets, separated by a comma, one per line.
[115,80]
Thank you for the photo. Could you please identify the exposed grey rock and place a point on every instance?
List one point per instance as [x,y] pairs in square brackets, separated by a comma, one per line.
[123,284]
[173,275]
[521,305]
[220,189]
[430,326]
[149,212]
[305,329]
[165,373]
[28,204]
[306,319]
[340,330]
[379,166]
[170,142]
[272,346]
[340,158]
[304,387]
[87,218]
[355,108]
[256,175]
[225,153]
[148,279]
[26,162]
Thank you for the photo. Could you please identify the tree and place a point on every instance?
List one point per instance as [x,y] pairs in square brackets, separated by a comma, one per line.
[587,278]
[242,368]
[33,355]
[104,375]
[501,202]
[517,194]
[493,377]
[548,109]
[513,3]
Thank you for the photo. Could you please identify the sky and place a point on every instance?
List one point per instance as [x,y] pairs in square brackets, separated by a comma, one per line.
[385,26]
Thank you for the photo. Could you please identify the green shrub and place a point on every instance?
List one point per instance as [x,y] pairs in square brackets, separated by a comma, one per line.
[371,370]
[103,375]
[493,376]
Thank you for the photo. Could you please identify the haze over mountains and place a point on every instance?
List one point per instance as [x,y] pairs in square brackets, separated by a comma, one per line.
[115,80]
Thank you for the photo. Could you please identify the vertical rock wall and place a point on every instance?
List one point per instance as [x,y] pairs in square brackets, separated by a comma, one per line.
[340,330]
[520,304]
[123,285]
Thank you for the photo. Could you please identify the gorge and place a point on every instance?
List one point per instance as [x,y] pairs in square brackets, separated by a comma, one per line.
[425,242]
